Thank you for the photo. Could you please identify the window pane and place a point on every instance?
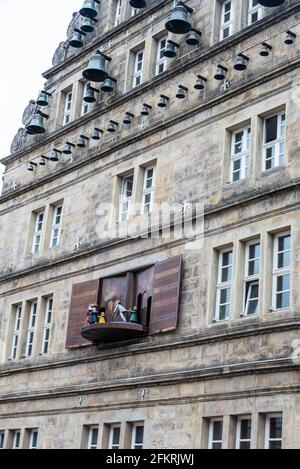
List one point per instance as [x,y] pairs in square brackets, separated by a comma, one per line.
[271,129]
[139,435]
[245,445]
[246,429]
[276,427]
[283,300]
[217,431]
[217,446]
[116,436]
[94,437]
[275,445]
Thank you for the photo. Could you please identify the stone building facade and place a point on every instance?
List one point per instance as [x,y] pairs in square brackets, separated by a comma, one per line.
[219,366]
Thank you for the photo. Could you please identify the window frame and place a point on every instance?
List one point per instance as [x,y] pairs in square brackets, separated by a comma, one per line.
[124,199]
[239,440]
[47,326]
[280,140]
[92,428]
[16,439]
[224,25]
[38,231]
[16,332]
[68,107]
[56,226]
[112,428]
[160,61]
[134,443]
[268,438]
[138,72]
[2,439]
[280,271]
[223,285]
[251,279]
[244,156]
[118,13]
[31,329]
[148,190]
[85,107]
[211,441]
[252,10]
[31,438]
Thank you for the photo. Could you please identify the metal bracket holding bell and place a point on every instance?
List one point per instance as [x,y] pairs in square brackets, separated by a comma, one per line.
[80,32]
[245,57]
[268,46]
[94,89]
[45,116]
[201,77]
[84,137]
[188,8]
[175,44]
[106,57]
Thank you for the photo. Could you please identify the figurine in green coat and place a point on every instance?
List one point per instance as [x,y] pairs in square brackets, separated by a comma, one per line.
[134,315]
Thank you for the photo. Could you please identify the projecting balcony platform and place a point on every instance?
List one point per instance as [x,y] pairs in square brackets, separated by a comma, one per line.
[113,332]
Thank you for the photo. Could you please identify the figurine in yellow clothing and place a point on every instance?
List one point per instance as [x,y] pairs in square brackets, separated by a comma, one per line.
[102,318]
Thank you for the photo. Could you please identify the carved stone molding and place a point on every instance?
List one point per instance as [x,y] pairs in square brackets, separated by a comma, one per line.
[59,54]
[19,141]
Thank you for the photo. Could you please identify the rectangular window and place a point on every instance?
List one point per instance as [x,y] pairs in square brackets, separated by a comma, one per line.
[56,224]
[148,190]
[224,286]
[273,432]
[251,279]
[254,12]
[227,18]
[33,441]
[274,141]
[138,68]
[125,198]
[215,439]
[137,436]
[67,108]
[243,433]
[160,58]
[16,333]
[2,436]
[240,154]
[37,237]
[114,437]
[84,105]
[118,16]
[134,11]
[93,437]
[282,271]
[17,439]
[31,329]
[47,326]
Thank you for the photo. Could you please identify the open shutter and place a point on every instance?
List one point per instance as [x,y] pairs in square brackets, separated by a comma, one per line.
[83,294]
[166,290]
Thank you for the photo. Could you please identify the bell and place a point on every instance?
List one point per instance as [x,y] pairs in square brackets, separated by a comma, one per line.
[88,25]
[76,40]
[112,126]
[265,49]
[43,160]
[178,23]
[181,93]
[32,166]
[89,9]
[96,69]
[270,3]
[68,148]
[290,38]
[146,110]
[97,134]
[193,37]
[200,82]
[36,126]
[163,101]
[82,141]
[108,85]
[170,49]
[138,3]
[43,99]
[241,62]
[128,118]
[89,95]
[55,155]
[221,72]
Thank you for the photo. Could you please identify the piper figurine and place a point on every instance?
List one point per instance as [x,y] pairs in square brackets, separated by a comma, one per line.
[134,315]
[119,311]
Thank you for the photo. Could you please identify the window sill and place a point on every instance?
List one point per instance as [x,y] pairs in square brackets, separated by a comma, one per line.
[268,172]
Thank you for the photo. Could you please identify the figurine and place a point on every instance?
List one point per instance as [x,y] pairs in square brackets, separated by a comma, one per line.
[93,311]
[102,318]
[134,315]
[119,311]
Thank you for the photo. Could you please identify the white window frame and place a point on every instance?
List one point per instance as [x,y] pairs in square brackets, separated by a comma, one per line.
[16,439]
[134,444]
[268,439]
[161,60]
[56,226]
[278,272]
[227,24]
[31,329]
[85,107]
[134,11]
[148,190]
[239,439]
[47,326]
[38,230]
[2,439]
[243,155]
[125,200]
[223,285]
[253,279]
[279,157]
[68,107]
[16,333]
[118,15]
[252,10]
[138,68]
[211,441]
[111,445]
[90,437]
[31,440]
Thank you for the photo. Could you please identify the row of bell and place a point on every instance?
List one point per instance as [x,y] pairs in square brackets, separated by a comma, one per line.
[107,87]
